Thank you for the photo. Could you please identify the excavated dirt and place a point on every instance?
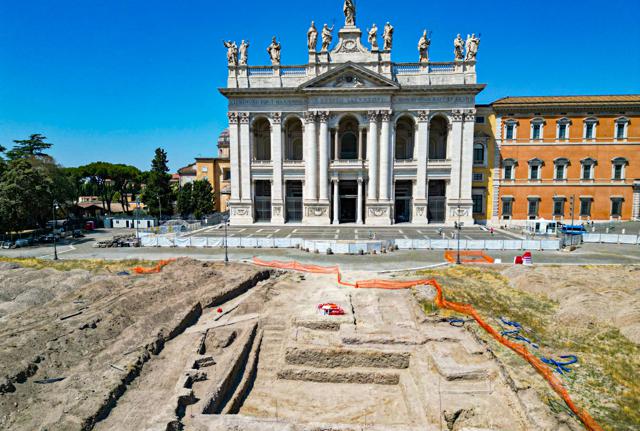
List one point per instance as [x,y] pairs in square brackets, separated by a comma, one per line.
[71,342]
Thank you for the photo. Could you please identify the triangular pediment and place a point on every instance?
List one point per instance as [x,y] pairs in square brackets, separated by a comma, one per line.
[349,76]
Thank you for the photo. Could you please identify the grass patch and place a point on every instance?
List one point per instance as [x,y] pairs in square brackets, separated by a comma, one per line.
[606,381]
[93,265]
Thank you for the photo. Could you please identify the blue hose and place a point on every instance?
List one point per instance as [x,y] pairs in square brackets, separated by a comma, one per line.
[561,367]
[515,333]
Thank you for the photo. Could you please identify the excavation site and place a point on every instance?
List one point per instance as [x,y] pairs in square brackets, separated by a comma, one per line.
[207,346]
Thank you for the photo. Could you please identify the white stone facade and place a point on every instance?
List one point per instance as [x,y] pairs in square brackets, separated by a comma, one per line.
[352,137]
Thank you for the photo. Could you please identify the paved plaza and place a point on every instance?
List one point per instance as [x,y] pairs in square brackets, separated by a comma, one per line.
[351,233]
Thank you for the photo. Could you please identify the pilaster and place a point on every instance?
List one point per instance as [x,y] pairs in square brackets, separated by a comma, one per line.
[325,153]
[385,156]
[459,202]
[277,203]
[372,156]
[420,202]
[245,158]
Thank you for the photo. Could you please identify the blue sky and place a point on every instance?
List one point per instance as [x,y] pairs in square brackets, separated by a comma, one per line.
[112,80]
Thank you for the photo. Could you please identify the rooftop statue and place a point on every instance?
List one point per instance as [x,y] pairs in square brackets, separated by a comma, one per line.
[373,37]
[232,52]
[274,51]
[472,47]
[458,48]
[312,37]
[387,36]
[244,53]
[327,37]
[423,47]
[350,12]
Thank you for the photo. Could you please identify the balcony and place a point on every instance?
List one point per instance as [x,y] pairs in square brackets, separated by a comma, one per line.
[439,164]
[347,164]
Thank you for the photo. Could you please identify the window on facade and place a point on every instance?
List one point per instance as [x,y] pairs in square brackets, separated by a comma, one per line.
[507,207]
[588,167]
[616,207]
[438,136]
[510,131]
[561,168]
[293,139]
[558,207]
[480,119]
[262,140]
[535,166]
[618,168]
[536,128]
[478,177]
[621,128]
[404,139]
[563,129]
[534,205]
[585,207]
[478,154]
[590,128]
[205,169]
[478,203]
[508,172]
[226,175]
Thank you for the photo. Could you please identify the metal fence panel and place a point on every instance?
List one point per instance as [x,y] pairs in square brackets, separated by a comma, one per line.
[216,242]
[512,245]
[494,244]
[628,239]
[183,242]
[531,245]
[233,242]
[453,244]
[591,237]
[266,243]
[164,241]
[341,247]
[609,238]
[282,242]
[149,241]
[476,244]
[421,244]
[550,244]
[404,244]
[439,244]
[249,242]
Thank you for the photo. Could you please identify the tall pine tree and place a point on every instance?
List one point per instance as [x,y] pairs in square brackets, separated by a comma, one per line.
[157,195]
[28,148]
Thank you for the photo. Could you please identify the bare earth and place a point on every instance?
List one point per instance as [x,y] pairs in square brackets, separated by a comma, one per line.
[207,347]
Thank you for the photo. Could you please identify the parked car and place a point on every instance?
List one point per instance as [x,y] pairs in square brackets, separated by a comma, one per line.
[21,243]
[8,244]
[77,233]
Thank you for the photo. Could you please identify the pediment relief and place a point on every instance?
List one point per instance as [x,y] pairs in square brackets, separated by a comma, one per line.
[349,77]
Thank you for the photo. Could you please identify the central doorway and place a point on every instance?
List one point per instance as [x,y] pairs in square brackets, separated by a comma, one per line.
[436,209]
[348,192]
[403,194]
[262,201]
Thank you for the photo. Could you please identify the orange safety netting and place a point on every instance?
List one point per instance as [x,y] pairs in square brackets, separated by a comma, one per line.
[154,270]
[467,257]
[467,309]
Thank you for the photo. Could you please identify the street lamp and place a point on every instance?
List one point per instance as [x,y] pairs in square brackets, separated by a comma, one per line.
[136,216]
[160,210]
[54,207]
[225,220]
[459,228]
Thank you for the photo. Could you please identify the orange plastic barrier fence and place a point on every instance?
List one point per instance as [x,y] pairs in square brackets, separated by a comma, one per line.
[476,257]
[154,270]
[467,309]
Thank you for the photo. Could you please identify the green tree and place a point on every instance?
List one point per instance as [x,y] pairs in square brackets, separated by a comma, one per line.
[99,174]
[25,196]
[185,202]
[28,148]
[2,162]
[202,198]
[157,194]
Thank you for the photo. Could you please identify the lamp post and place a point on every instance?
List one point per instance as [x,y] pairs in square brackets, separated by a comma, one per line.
[226,253]
[459,228]
[54,207]
[160,211]
[135,218]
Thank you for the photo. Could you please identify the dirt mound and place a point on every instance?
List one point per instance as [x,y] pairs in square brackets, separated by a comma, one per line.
[74,340]
[603,294]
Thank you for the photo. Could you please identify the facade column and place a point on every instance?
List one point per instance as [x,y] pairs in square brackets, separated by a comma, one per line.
[421,154]
[336,202]
[360,143]
[372,156]
[360,196]
[245,157]
[635,214]
[311,164]
[277,205]
[325,153]
[385,159]
[459,202]
[234,145]
[336,146]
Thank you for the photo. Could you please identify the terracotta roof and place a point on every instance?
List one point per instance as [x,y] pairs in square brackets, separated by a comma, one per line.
[188,170]
[622,100]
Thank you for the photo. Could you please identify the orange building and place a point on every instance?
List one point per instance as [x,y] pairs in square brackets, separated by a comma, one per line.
[564,153]
[217,170]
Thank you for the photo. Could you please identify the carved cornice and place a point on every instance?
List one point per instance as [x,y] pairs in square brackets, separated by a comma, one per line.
[457,115]
[372,116]
[323,116]
[423,116]
[470,115]
[233,117]
[276,117]
[244,118]
[385,115]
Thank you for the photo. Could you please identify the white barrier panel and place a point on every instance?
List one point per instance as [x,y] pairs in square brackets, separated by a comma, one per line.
[628,239]
[164,241]
[531,245]
[296,242]
[591,237]
[609,238]
[282,243]
[198,242]
[266,243]
[550,245]
[494,244]
[340,247]
[249,242]
[233,242]
[321,246]
[439,244]
[215,242]
[421,244]
[183,242]
[404,244]
[475,244]
[453,244]
[149,241]
[512,245]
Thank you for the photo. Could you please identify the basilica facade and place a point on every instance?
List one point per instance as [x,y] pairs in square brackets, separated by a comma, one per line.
[351,136]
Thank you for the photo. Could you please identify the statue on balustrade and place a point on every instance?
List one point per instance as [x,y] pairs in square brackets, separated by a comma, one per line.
[327,37]
[373,37]
[274,51]
[312,37]
[387,36]
[423,47]
[472,47]
[458,45]
[232,52]
[244,53]
[349,12]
